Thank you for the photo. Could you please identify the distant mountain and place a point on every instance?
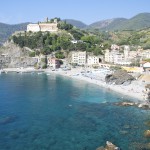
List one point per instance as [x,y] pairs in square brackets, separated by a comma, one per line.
[139,21]
[6,30]
[76,23]
[101,24]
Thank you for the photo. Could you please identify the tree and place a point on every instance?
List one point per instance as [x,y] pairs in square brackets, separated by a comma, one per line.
[97,51]
[76,34]
[64,26]
[32,54]
[64,41]
[81,46]
[59,55]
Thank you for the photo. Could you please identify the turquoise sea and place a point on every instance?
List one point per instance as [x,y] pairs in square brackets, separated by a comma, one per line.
[41,112]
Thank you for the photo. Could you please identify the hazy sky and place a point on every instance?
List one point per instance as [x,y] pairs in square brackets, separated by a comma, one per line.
[87,11]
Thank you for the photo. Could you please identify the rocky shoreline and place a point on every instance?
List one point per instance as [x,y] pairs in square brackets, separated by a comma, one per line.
[109,146]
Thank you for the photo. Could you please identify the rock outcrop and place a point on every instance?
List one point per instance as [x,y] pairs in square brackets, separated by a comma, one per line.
[147,134]
[109,146]
[144,105]
[12,56]
[119,77]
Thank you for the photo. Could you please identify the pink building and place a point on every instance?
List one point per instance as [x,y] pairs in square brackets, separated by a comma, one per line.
[53,62]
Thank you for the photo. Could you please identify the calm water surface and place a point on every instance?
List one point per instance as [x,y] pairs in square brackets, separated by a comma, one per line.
[40,112]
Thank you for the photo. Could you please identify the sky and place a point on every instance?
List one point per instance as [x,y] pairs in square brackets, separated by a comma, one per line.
[87,11]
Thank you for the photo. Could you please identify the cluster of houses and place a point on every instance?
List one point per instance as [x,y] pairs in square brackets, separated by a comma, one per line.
[82,58]
[113,57]
[116,55]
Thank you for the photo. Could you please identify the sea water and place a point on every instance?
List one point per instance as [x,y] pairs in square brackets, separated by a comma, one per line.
[40,112]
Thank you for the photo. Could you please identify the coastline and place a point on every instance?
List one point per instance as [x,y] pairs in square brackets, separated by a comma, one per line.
[134,90]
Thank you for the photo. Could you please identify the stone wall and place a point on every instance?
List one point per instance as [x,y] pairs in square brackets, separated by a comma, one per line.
[33,27]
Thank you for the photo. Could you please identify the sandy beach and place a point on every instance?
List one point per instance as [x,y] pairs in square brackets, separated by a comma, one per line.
[134,90]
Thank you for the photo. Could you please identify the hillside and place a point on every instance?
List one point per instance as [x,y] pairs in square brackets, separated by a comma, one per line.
[137,22]
[76,23]
[109,23]
[6,30]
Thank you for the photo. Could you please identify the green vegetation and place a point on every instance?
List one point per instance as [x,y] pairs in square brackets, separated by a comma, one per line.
[32,54]
[114,68]
[64,26]
[140,21]
[147,60]
[59,55]
[69,38]
[46,42]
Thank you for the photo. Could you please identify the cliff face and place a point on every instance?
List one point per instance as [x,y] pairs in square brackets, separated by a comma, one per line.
[12,56]
[119,77]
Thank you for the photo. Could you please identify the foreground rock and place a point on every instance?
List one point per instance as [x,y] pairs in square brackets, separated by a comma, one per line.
[12,56]
[139,146]
[147,134]
[109,146]
[119,77]
[139,105]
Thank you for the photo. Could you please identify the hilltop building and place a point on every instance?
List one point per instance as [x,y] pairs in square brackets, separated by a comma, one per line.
[43,26]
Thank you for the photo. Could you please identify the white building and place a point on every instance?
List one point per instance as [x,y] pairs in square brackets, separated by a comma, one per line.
[126,52]
[116,57]
[113,56]
[93,60]
[45,26]
[145,54]
[79,58]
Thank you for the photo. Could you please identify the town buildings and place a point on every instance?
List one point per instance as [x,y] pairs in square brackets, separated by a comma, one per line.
[79,58]
[113,56]
[53,62]
[82,58]
[116,57]
[94,60]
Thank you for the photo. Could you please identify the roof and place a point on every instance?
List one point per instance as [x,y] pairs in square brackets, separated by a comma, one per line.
[146,65]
